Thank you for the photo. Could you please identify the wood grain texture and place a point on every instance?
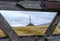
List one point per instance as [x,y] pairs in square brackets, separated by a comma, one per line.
[8,30]
[53,25]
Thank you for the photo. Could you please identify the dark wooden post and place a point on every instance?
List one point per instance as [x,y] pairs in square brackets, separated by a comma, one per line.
[8,30]
[53,25]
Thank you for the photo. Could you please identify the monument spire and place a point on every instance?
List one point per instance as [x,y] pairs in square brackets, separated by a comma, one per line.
[30,19]
[30,23]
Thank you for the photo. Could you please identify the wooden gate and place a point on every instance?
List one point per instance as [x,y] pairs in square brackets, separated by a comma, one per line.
[7,29]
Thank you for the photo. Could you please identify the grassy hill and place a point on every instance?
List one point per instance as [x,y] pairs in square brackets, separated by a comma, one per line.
[30,30]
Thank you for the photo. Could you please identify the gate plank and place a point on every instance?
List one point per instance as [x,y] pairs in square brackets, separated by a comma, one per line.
[8,30]
[53,25]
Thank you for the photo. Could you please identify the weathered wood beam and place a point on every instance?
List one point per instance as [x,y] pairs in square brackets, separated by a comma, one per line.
[29,4]
[53,25]
[8,30]
[4,5]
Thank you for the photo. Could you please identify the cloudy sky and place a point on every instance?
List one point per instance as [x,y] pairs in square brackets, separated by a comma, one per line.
[21,18]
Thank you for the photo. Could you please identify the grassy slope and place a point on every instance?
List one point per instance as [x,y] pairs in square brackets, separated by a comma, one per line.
[30,30]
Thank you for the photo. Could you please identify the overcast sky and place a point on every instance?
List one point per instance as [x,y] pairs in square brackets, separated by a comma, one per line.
[21,18]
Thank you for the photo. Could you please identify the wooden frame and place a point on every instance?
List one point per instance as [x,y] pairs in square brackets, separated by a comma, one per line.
[10,32]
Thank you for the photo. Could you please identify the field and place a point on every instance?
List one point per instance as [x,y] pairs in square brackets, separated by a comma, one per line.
[30,30]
